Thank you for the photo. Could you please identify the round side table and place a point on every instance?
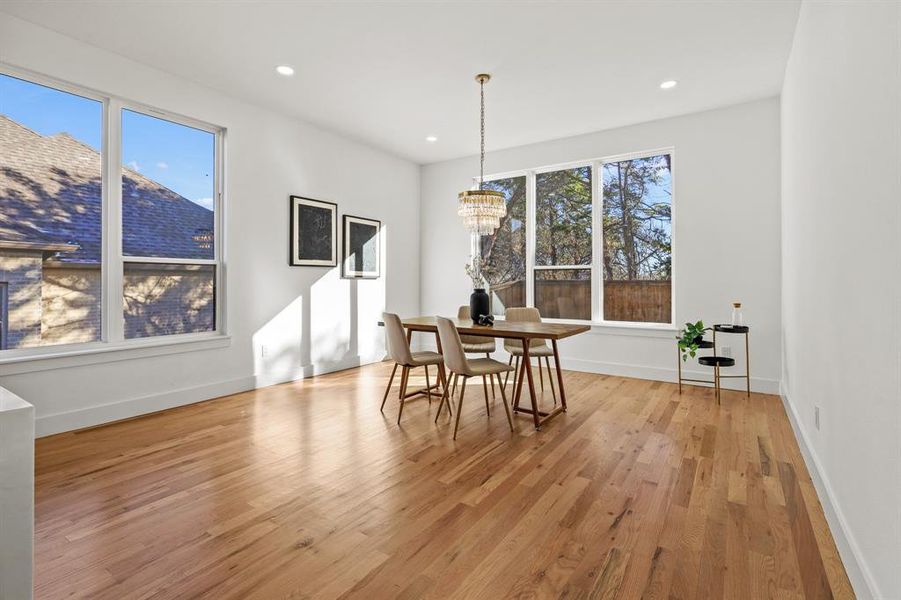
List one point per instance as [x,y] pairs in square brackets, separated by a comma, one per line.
[738,330]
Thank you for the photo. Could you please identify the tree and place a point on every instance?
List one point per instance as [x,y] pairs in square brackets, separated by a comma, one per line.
[637,219]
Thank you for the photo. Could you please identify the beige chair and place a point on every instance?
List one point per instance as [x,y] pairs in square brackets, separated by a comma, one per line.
[476,344]
[537,348]
[399,351]
[456,361]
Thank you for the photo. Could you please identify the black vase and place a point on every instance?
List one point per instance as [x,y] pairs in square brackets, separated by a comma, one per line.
[478,304]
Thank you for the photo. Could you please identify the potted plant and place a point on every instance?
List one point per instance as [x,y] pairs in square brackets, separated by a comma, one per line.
[690,339]
[479,301]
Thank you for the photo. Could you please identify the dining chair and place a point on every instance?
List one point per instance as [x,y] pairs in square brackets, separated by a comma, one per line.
[537,348]
[460,366]
[476,344]
[399,351]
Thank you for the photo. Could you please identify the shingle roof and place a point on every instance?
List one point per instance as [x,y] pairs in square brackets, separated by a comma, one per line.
[50,194]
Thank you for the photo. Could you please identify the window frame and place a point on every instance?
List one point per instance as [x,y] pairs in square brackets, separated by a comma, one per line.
[597,234]
[112,265]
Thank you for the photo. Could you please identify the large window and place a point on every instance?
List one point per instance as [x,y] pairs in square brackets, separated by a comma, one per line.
[563,243]
[91,253]
[168,238]
[589,241]
[504,253]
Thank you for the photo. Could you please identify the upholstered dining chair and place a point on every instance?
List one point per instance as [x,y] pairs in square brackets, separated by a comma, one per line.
[460,366]
[475,344]
[537,348]
[399,352]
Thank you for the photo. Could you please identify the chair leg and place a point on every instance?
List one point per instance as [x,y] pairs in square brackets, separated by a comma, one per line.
[507,376]
[442,401]
[485,389]
[491,379]
[428,388]
[388,389]
[454,388]
[404,378]
[403,382]
[460,406]
[506,407]
[550,377]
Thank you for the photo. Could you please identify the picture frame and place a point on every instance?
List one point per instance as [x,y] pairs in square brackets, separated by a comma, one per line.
[313,233]
[362,254]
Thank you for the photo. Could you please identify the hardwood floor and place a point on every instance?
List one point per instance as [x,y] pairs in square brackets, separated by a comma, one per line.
[306,490]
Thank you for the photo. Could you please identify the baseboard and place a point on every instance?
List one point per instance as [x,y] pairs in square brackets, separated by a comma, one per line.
[865,586]
[319,368]
[133,407]
[758,384]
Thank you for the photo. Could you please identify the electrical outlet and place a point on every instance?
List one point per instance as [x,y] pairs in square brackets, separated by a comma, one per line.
[727,351]
[816,417]
[264,351]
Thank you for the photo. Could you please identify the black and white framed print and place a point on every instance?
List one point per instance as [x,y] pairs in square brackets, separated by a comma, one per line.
[314,233]
[361,248]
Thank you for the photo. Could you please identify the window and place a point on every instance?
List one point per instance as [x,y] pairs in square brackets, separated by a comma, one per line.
[50,214]
[168,236]
[638,240]
[588,241]
[563,213]
[504,252]
[83,259]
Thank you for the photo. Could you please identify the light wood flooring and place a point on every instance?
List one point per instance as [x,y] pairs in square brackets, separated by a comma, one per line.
[306,490]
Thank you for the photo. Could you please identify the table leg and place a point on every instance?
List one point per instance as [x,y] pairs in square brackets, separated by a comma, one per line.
[747,365]
[559,375]
[527,365]
[517,383]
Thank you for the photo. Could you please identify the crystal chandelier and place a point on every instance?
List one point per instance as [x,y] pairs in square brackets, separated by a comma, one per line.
[481,209]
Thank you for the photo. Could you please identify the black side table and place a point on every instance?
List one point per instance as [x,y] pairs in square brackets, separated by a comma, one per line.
[704,345]
[740,330]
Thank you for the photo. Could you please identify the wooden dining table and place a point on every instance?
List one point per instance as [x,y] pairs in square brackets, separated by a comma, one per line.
[522,331]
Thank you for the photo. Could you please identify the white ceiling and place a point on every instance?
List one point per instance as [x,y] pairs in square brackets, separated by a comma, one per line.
[391,73]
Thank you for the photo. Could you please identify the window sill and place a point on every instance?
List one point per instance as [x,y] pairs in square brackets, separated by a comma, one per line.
[655,330]
[76,355]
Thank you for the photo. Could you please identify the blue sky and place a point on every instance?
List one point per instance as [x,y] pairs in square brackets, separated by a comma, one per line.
[179,157]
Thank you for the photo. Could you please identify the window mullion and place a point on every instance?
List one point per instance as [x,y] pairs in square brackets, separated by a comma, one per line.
[597,241]
[530,237]
[112,228]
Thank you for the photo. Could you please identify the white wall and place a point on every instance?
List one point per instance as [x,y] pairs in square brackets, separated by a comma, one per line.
[309,318]
[726,234]
[841,129]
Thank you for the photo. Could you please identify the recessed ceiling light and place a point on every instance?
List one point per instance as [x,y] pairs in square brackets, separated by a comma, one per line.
[284,70]
[431,138]
[668,84]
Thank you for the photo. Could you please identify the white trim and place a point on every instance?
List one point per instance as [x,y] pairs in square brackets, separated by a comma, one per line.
[133,407]
[46,358]
[858,571]
[160,260]
[531,193]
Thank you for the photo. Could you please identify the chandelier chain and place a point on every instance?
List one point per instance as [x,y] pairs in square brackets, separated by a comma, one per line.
[482,134]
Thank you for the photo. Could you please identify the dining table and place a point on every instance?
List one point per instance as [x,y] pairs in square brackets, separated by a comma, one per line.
[524,332]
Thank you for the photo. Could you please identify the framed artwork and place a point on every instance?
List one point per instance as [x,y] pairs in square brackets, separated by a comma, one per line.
[314,233]
[362,255]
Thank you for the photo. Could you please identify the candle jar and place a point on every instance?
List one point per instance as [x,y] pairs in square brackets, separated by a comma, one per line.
[738,319]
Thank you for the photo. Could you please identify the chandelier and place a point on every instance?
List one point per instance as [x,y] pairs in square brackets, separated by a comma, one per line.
[481,209]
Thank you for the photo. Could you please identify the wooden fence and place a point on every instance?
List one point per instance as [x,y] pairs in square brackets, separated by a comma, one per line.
[637,300]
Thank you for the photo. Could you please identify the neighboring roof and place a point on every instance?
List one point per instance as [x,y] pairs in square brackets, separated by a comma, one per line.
[50,199]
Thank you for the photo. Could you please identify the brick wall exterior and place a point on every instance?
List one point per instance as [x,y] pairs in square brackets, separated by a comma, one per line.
[21,270]
[52,304]
[165,300]
[71,305]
